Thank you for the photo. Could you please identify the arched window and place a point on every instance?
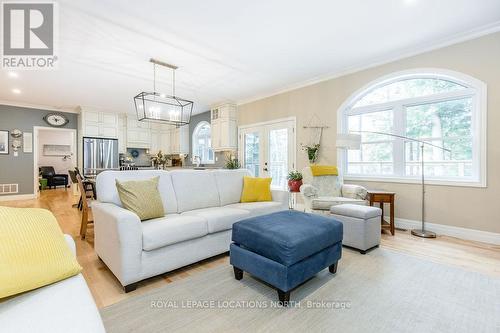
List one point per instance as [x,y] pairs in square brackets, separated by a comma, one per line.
[202,143]
[444,108]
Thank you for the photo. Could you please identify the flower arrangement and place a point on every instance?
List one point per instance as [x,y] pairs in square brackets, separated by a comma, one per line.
[160,160]
[312,152]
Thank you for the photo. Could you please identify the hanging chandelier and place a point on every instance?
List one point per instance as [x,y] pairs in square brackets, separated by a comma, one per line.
[159,107]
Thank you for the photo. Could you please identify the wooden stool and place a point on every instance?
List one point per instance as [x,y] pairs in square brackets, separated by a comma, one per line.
[85,209]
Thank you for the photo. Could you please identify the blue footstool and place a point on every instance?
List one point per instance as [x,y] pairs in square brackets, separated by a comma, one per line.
[285,248]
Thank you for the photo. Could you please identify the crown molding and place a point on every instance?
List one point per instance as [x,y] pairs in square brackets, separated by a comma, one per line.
[399,55]
[40,106]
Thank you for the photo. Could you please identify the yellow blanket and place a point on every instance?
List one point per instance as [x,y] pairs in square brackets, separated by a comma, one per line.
[324,170]
[33,251]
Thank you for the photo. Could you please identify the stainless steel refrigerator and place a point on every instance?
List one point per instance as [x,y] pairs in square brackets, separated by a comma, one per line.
[99,155]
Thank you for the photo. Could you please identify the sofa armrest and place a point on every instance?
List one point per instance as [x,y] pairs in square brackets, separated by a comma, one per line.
[354,191]
[71,243]
[118,240]
[308,191]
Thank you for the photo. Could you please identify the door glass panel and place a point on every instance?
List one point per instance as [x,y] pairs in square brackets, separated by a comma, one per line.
[251,152]
[278,157]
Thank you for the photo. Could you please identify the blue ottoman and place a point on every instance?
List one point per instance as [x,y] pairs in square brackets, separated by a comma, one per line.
[285,248]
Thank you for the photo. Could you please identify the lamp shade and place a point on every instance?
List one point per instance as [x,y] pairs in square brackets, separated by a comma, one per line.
[348,141]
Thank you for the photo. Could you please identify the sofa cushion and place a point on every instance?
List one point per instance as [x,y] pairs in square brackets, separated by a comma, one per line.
[58,297]
[259,208]
[325,185]
[33,251]
[288,236]
[256,189]
[107,192]
[325,203]
[172,229]
[219,218]
[230,185]
[357,211]
[195,189]
[142,197]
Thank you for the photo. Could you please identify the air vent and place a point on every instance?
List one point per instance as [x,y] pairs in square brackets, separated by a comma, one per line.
[9,188]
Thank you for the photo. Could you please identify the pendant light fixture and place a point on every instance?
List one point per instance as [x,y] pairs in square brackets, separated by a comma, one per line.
[159,107]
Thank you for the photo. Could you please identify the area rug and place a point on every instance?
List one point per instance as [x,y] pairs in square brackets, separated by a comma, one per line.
[382,291]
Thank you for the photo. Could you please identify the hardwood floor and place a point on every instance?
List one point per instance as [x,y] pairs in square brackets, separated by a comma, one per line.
[106,289]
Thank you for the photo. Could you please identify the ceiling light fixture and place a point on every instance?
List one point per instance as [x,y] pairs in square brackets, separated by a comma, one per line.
[16,91]
[12,74]
[156,107]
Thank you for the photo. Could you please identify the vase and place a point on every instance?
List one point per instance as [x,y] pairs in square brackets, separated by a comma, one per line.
[294,185]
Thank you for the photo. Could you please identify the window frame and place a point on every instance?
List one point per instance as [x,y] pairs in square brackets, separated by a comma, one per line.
[194,139]
[475,89]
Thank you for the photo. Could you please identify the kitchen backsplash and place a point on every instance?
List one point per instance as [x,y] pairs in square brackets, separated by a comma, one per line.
[140,156]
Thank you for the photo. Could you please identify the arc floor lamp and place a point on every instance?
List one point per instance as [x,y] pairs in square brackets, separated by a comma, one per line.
[353,141]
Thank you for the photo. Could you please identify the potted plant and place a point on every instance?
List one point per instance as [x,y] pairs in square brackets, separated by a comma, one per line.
[294,181]
[232,163]
[312,152]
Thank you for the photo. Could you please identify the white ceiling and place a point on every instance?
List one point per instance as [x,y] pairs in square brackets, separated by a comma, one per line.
[232,50]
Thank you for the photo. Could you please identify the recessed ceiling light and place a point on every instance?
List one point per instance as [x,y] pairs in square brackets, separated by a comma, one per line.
[12,74]
[16,91]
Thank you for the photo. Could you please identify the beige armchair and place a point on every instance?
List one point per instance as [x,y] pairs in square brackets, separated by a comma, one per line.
[322,192]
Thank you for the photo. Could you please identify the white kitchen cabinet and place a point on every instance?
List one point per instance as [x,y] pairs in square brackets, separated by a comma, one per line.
[122,133]
[138,133]
[98,124]
[224,127]
[161,140]
[180,140]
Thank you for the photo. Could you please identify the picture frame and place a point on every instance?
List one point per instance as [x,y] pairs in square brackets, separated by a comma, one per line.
[4,142]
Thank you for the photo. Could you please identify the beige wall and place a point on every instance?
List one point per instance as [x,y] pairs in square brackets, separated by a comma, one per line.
[475,208]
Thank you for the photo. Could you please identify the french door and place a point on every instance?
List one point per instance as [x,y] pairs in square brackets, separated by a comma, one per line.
[268,150]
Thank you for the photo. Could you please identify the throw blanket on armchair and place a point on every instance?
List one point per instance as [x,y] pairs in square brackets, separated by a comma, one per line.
[324,170]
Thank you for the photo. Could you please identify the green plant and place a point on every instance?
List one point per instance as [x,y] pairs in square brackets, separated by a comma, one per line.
[294,175]
[312,152]
[232,163]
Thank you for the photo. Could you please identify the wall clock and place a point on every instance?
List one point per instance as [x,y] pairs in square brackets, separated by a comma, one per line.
[56,119]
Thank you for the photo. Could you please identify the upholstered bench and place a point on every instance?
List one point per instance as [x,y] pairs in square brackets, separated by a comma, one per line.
[285,248]
[361,225]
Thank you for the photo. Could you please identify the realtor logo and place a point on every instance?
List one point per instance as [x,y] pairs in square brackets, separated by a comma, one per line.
[29,35]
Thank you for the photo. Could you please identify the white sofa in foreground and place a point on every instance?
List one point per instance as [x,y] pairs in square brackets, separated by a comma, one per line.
[200,209]
[64,306]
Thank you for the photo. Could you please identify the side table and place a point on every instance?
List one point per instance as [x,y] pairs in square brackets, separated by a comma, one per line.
[384,197]
[292,199]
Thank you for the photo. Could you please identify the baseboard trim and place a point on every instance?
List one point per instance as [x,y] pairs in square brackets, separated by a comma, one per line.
[458,232]
[17,197]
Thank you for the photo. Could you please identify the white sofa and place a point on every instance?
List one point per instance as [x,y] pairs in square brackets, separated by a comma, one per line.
[64,306]
[200,206]
[320,193]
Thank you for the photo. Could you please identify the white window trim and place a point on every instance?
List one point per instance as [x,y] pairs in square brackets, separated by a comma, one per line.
[195,131]
[479,121]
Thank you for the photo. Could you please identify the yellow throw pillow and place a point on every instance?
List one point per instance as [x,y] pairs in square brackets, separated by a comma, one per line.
[256,189]
[324,170]
[33,251]
[142,197]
